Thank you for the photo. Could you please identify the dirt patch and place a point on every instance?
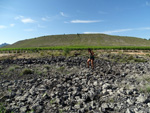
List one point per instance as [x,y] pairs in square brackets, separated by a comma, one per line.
[5,54]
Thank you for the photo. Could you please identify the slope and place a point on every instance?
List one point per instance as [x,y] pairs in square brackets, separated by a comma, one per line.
[80,40]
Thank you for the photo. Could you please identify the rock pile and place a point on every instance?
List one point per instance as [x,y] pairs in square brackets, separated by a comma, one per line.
[74,88]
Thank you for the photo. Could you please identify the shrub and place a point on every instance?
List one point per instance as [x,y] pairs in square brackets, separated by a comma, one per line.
[47,67]
[2,108]
[148,88]
[27,71]
[12,69]
[66,51]
[42,54]
[145,89]
[61,69]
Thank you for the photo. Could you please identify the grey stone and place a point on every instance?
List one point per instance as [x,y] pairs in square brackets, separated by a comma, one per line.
[23,109]
[12,94]
[30,100]
[39,109]
[104,106]
[148,105]
[106,86]
[95,83]
[130,102]
[141,98]
[128,111]
[103,89]
[129,92]
[32,90]
[77,106]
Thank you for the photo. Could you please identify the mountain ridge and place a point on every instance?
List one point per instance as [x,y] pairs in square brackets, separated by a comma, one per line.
[80,40]
[4,44]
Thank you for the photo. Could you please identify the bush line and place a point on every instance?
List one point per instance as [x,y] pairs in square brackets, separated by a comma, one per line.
[77,48]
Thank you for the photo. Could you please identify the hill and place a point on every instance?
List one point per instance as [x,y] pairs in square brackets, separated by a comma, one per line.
[4,44]
[80,40]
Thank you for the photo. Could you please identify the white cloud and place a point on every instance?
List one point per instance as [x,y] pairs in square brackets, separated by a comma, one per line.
[85,21]
[47,18]
[27,20]
[3,27]
[147,3]
[44,19]
[109,32]
[144,28]
[62,14]
[12,25]
[119,30]
[91,32]
[19,17]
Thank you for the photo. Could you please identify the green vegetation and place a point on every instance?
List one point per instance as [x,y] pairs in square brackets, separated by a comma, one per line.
[67,49]
[32,111]
[52,101]
[12,69]
[2,108]
[124,58]
[61,69]
[27,71]
[145,89]
[60,110]
[79,40]
[47,67]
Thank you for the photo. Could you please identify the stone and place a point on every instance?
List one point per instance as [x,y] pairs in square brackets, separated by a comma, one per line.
[130,102]
[105,92]
[128,111]
[141,98]
[30,100]
[77,106]
[104,106]
[148,105]
[12,94]
[103,89]
[23,109]
[106,86]
[32,90]
[39,109]
[129,92]
[95,83]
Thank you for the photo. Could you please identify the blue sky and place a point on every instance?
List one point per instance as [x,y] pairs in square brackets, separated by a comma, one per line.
[24,19]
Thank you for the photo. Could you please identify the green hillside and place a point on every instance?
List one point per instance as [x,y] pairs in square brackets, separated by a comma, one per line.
[80,40]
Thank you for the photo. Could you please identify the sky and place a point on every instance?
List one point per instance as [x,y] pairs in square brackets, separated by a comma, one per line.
[25,19]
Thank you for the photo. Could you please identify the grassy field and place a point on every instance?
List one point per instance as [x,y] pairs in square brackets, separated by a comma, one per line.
[82,41]
[69,48]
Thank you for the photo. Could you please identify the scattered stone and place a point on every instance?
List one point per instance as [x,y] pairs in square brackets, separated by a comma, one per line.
[69,86]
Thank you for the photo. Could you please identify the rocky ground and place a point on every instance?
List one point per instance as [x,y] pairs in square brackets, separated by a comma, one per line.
[118,84]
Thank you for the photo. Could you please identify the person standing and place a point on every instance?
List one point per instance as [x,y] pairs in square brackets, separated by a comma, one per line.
[91,58]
